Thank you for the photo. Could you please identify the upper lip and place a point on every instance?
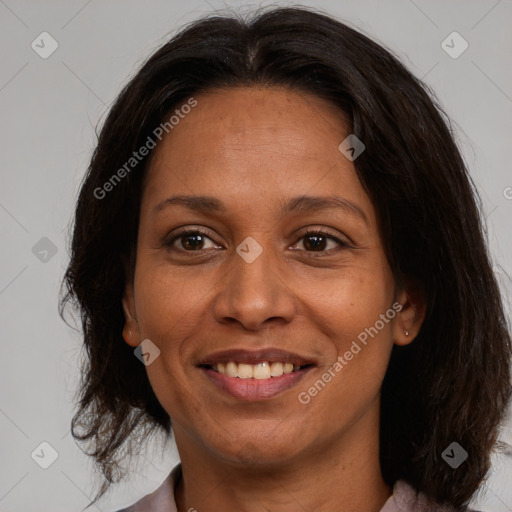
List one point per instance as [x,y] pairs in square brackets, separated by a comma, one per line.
[255,356]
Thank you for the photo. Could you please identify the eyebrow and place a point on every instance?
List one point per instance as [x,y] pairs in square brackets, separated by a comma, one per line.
[299,204]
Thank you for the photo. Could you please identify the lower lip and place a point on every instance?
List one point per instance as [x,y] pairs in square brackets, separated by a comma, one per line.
[254,389]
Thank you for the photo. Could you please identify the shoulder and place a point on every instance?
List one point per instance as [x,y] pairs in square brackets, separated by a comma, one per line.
[160,499]
[406,499]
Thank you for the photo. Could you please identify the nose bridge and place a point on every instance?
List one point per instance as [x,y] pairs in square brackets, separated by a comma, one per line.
[253,291]
[253,268]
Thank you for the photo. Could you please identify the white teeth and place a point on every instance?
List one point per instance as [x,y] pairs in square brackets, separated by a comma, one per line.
[231,369]
[276,369]
[245,371]
[263,370]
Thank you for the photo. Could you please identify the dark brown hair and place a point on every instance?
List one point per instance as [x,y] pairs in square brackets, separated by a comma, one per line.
[452,383]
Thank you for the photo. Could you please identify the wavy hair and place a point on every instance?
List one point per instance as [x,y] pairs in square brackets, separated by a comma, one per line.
[452,383]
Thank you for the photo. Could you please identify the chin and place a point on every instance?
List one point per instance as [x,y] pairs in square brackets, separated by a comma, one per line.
[258,452]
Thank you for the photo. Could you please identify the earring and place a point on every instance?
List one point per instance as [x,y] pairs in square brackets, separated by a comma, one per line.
[406,332]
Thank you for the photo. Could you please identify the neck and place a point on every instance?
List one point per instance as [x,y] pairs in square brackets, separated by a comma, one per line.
[340,474]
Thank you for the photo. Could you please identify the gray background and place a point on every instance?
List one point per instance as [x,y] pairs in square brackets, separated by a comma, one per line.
[49,110]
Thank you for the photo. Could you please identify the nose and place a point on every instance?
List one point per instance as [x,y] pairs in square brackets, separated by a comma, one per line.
[254,295]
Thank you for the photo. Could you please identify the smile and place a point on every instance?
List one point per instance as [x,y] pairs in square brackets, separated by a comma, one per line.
[263,370]
[255,388]
[255,375]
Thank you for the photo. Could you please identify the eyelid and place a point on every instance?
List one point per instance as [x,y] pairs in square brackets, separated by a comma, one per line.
[188,229]
[308,230]
[343,244]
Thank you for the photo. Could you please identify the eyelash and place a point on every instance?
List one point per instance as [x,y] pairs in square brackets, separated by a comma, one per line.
[168,243]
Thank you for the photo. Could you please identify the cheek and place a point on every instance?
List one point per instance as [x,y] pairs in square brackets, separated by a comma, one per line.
[355,313]
[349,384]
[165,299]
[167,305]
[350,300]
[162,307]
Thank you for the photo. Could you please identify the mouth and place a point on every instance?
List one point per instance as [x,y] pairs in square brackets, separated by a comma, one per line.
[255,375]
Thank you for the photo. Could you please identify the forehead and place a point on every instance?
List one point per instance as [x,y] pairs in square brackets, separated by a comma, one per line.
[248,117]
[255,142]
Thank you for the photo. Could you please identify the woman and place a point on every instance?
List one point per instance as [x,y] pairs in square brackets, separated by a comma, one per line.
[278,251]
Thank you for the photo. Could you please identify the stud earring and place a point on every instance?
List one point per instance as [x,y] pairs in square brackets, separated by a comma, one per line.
[406,332]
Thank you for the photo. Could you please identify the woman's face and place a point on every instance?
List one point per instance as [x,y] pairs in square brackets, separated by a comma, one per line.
[260,176]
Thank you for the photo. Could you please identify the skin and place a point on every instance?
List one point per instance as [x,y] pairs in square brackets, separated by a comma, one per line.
[254,149]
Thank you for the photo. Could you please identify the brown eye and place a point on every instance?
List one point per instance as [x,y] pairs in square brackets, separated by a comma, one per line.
[319,241]
[190,241]
[315,242]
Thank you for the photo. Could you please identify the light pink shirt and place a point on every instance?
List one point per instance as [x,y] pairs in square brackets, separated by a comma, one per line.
[403,499]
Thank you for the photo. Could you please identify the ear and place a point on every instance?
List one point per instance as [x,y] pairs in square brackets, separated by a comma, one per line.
[131,332]
[411,315]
